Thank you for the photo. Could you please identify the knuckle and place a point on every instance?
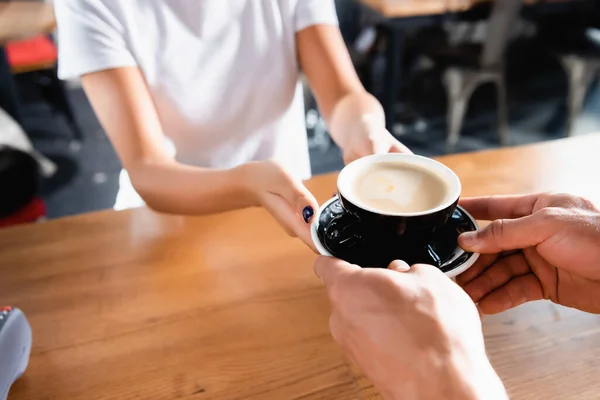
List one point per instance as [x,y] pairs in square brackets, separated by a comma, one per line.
[551,213]
[566,200]
[517,295]
[345,289]
[588,202]
[497,228]
[288,230]
[279,168]
[335,328]
[291,233]
[274,163]
[547,199]
[301,200]
[550,194]
[426,296]
[336,294]
[498,277]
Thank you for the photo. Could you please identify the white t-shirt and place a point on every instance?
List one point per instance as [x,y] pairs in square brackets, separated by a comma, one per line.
[223,74]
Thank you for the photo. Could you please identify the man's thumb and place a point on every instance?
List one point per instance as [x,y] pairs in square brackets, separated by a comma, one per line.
[506,234]
[329,269]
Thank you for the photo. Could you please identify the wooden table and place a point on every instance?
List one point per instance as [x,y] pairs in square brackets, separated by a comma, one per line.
[134,304]
[416,8]
[22,19]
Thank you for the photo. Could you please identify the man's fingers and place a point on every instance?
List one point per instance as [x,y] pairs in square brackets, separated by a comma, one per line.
[482,263]
[479,312]
[496,276]
[507,234]
[500,207]
[399,266]
[421,269]
[518,291]
[330,269]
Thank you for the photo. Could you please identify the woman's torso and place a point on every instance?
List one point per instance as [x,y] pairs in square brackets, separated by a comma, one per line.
[224,78]
[223,74]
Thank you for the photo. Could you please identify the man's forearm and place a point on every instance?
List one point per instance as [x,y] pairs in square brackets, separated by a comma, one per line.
[174,188]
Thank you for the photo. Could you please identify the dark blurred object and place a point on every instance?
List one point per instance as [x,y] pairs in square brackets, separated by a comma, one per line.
[349,17]
[19,180]
[34,211]
[36,59]
[9,99]
[575,42]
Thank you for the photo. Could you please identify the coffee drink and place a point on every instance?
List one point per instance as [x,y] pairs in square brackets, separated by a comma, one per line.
[395,187]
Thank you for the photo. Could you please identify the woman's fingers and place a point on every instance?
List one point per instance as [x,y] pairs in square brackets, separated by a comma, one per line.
[297,195]
[289,219]
[398,147]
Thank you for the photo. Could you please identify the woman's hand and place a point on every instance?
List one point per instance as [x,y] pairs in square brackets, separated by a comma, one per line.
[358,126]
[124,105]
[355,118]
[285,197]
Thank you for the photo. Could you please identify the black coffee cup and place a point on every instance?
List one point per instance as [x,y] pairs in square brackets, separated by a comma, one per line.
[399,228]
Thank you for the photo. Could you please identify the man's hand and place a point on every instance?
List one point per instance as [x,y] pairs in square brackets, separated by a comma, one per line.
[412,331]
[542,246]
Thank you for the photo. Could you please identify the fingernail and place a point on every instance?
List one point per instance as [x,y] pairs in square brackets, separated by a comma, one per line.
[308,213]
[468,239]
[400,266]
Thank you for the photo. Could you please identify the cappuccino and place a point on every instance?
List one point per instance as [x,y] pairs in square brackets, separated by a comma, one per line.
[394,187]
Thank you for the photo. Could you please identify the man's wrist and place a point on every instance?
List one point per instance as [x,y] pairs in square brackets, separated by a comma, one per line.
[460,378]
[475,379]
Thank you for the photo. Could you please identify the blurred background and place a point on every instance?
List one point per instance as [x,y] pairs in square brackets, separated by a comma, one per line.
[453,76]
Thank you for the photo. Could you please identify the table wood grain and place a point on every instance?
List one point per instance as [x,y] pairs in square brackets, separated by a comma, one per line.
[133,304]
[415,8]
[24,19]
[419,8]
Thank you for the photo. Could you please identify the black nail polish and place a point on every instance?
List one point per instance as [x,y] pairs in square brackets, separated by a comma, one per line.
[308,213]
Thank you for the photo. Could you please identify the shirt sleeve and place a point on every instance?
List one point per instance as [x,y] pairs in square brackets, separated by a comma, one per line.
[314,12]
[90,38]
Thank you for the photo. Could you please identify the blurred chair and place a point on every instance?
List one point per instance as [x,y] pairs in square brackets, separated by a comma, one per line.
[581,71]
[578,51]
[38,58]
[574,39]
[471,66]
